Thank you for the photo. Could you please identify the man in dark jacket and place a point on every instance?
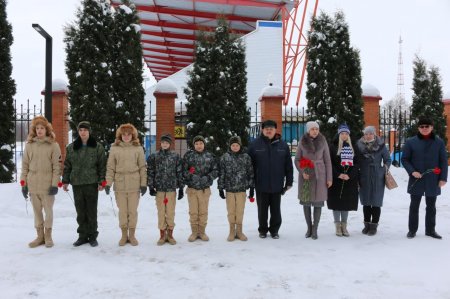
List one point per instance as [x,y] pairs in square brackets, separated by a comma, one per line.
[84,169]
[272,164]
[425,159]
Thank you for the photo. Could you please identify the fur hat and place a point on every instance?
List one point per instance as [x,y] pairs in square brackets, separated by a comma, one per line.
[84,125]
[343,128]
[127,128]
[311,124]
[235,139]
[167,138]
[198,138]
[269,124]
[423,120]
[40,120]
[369,130]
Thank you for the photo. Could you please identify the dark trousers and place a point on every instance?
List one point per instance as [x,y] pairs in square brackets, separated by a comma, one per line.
[265,202]
[371,214]
[86,201]
[430,213]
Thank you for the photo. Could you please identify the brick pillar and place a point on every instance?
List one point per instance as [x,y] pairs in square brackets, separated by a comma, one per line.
[372,112]
[447,114]
[60,105]
[271,106]
[165,116]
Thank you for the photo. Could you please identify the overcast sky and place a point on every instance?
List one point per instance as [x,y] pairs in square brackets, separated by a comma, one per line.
[375,27]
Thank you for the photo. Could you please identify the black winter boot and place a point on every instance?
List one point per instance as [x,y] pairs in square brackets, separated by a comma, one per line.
[372,229]
[307,212]
[366,228]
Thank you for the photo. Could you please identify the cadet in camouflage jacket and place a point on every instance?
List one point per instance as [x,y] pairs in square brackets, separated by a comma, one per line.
[162,166]
[236,172]
[199,169]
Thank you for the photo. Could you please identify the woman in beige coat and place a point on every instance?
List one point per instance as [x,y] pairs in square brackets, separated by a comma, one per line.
[126,169]
[41,170]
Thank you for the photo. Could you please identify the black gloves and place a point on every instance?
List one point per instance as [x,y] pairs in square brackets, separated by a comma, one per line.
[222,194]
[143,190]
[180,193]
[107,189]
[53,190]
[285,188]
[152,191]
[25,192]
[251,193]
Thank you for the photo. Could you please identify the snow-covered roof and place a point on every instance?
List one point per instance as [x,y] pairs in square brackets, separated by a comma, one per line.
[166,86]
[446,96]
[271,91]
[58,85]
[370,91]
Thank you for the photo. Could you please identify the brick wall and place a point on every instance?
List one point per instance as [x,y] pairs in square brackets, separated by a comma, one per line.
[271,108]
[372,112]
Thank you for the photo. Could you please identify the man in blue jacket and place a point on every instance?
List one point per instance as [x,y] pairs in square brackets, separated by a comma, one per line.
[272,164]
[425,159]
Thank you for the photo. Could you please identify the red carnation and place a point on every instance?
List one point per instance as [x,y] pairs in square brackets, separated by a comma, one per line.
[343,163]
[350,163]
[252,199]
[306,163]
[22,183]
[104,183]
[60,184]
[192,170]
[437,170]
[166,201]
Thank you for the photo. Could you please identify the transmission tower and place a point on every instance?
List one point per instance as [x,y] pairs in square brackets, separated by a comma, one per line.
[400,77]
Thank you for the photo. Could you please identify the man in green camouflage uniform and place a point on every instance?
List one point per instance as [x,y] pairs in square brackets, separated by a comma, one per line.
[199,172]
[164,173]
[235,177]
[84,169]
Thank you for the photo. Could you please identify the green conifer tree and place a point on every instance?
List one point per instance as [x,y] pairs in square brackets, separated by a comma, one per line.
[7,92]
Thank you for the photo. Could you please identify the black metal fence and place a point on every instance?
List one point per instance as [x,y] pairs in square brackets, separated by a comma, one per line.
[393,125]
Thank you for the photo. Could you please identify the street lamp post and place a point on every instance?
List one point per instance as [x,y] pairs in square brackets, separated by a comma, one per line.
[48,70]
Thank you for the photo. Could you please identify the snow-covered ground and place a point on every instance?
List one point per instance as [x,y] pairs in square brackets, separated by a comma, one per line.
[387,265]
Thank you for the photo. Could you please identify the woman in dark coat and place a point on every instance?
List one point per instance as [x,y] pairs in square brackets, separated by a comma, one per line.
[375,159]
[343,194]
[425,159]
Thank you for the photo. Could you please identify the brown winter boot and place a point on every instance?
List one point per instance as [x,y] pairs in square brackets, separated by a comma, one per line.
[48,237]
[124,239]
[170,238]
[344,229]
[202,234]
[194,234]
[39,239]
[131,238]
[240,235]
[232,234]
[162,237]
[338,229]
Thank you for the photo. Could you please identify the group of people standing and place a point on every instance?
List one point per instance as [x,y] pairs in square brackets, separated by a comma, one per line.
[338,174]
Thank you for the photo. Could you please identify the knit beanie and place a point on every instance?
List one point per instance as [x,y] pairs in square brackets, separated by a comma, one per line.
[235,139]
[198,138]
[167,138]
[343,128]
[310,125]
[369,130]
